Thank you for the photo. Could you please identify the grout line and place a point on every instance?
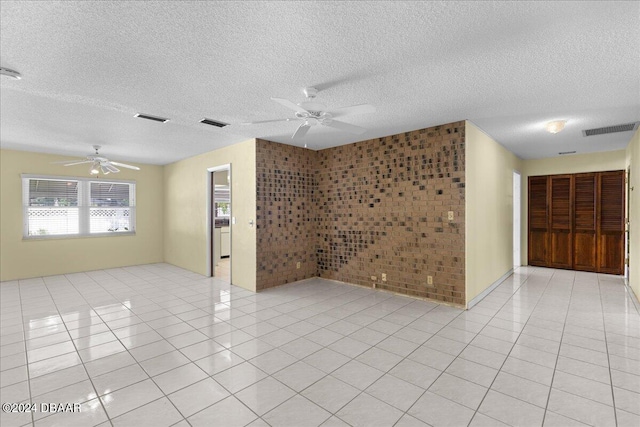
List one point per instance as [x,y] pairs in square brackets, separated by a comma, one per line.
[604,324]
[78,354]
[539,298]
[258,302]
[126,350]
[26,354]
[553,375]
[137,362]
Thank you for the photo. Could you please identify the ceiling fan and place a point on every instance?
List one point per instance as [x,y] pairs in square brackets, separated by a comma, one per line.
[313,113]
[98,163]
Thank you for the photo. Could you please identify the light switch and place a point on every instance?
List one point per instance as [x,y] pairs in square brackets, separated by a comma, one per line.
[233,220]
[450,216]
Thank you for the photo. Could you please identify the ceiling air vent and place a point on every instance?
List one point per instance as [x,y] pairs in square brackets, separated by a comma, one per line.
[611,129]
[213,123]
[566,152]
[149,117]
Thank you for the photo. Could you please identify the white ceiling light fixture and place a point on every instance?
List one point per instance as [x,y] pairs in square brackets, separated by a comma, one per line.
[556,126]
[95,168]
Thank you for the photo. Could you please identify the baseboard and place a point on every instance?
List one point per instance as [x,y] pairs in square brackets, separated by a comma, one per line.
[487,291]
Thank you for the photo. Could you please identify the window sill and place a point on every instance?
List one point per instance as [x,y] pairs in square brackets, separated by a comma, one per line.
[77,236]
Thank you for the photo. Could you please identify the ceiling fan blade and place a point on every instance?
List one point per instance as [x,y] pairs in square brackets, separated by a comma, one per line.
[345,126]
[66,161]
[289,104]
[111,168]
[74,162]
[301,131]
[122,165]
[105,170]
[352,110]
[268,121]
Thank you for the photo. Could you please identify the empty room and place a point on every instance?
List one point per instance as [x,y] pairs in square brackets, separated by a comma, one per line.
[319,213]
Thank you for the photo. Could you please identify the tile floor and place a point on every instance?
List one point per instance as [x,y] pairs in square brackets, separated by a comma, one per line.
[223,269]
[156,345]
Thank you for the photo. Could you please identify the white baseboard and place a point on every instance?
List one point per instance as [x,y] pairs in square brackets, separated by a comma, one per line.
[487,291]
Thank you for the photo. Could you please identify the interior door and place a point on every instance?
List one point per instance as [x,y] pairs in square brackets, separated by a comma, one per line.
[560,221]
[610,232]
[584,222]
[538,221]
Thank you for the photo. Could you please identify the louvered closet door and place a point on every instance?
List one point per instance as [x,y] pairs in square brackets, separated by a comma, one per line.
[584,222]
[560,223]
[610,232]
[538,221]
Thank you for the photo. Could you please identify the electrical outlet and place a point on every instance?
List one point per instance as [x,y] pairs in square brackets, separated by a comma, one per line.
[374,278]
[429,280]
[298,265]
[450,216]
[384,277]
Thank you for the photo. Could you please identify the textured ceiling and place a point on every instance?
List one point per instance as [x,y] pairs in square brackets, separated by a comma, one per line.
[509,67]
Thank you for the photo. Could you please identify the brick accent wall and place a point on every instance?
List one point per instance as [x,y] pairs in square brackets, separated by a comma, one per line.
[383,209]
[286,214]
[360,210]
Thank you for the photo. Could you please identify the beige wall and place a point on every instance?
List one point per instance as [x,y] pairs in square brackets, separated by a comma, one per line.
[633,162]
[577,163]
[489,210]
[33,258]
[185,207]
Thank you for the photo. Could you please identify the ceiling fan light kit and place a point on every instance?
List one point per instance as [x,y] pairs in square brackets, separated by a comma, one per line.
[312,113]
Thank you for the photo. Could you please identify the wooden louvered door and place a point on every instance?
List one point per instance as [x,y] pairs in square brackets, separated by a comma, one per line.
[610,230]
[584,222]
[577,221]
[560,221]
[538,221]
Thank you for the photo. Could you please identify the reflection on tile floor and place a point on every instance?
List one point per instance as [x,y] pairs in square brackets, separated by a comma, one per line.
[156,345]
[223,269]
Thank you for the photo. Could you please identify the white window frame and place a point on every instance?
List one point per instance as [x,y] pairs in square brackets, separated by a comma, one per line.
[84,207]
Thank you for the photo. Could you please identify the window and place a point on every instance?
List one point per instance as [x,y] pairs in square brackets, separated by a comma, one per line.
[54,206]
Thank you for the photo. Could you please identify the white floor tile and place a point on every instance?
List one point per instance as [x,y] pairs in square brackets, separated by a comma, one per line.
[299,353]
[265,395]
[228,412]
[365,410]
[297,412]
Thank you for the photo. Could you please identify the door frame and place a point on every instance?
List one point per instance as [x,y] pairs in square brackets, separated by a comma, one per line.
[211,268]
[627,225]
[517,218]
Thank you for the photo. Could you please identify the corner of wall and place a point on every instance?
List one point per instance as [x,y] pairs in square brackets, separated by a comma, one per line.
[632,162]
[489,212]
[20,259]
[186,223]
[285,214]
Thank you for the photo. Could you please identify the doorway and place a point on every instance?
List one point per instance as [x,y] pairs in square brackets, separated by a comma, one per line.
[516,219]
[221,222]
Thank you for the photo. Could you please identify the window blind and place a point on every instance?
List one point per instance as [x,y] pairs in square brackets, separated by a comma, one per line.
[111,208]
